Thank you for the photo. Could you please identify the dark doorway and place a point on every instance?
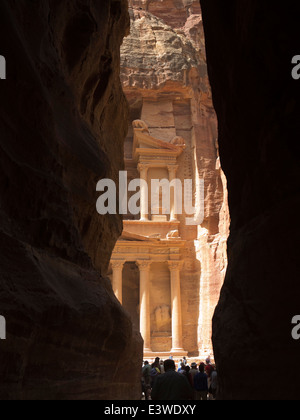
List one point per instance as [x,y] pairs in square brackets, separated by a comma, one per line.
[131,292]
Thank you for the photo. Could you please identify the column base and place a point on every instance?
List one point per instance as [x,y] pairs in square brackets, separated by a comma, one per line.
[148,354]
[178,353]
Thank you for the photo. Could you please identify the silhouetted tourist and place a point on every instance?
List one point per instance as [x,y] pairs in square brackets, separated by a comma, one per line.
[193,372]
[146,379]
[214,383]
[155,371]
[208,367]
[201,384]
[171,386]
[161,367]
[187,370]
[181,368]
[146,371]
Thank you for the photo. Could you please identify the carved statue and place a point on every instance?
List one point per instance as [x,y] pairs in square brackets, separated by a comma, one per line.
[163,318]
[173,234]
[178,141]
[141,125]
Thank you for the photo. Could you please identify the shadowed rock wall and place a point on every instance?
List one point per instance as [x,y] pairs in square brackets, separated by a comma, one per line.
[250,46]
[63,122]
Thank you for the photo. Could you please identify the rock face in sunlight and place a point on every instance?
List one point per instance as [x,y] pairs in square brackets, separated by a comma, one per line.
[63,123]
[250,46]
[172,12]
[164,76]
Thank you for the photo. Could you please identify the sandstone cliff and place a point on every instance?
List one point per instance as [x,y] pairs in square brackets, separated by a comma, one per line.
[63,122]
[173,12]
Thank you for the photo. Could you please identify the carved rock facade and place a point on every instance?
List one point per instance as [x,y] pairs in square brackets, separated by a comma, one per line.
[164,76]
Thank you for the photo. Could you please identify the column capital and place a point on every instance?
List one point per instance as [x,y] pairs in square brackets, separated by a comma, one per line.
[143,167]
[175,265]
[173,170]
[117,264]
[144,265]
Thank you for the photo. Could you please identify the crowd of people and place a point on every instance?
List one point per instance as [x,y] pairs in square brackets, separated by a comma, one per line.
[161,380]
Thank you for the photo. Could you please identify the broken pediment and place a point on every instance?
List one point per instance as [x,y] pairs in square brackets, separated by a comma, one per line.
[127,236]
[144,143]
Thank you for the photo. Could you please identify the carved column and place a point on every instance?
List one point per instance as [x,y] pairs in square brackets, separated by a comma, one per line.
[117,282]
[145,326]
[172,176]
[144,192]
[175,268]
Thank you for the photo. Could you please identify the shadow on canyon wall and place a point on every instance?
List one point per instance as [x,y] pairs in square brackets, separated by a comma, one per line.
[63,123]
[250,46]
[68,338]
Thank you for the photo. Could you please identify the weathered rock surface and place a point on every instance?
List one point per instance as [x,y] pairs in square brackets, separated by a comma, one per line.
[154,54]
[63,122]
[250,46]
[173,12]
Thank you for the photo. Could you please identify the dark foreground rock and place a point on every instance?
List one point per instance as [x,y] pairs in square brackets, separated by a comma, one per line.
[63,122]
[250,46]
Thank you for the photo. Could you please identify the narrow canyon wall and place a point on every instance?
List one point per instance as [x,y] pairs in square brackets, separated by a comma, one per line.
[250,46]
[164,76]
[63,123]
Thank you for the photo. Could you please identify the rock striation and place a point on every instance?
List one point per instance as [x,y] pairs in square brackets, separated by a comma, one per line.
[63,122]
